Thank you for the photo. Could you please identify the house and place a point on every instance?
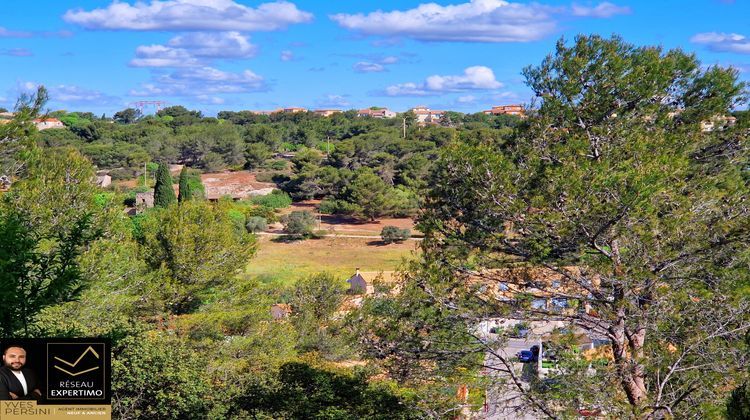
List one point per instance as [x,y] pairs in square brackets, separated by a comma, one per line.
[47,123]
[327,112]
[144,200]
[540,288]
[380,113]
[280,311]
[427,116]
[718,123]
[358,285]
[516,110]
[293,110]
[103,179]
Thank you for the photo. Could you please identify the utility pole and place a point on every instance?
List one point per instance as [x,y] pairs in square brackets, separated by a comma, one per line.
[328,146]
[404,127]
[145,172]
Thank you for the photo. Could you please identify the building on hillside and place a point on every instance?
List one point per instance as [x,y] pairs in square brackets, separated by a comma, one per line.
[359,286]
[563,291]
[427,116]
[280,311]
[47,123]
[293,110]
[718,123]
[516,110]
[380,113]
[6,115]
[327,112]
[103,179]
[143,201]
[266,112]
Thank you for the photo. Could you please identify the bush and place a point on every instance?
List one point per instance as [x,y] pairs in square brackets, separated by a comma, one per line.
[256,224]
[299,224]
[391,234]
[279,165]
[328,206]
[264,212]
[276,200]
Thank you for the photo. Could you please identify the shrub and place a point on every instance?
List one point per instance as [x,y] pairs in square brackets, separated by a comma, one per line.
[256,224]
[299,223]
[279,165]
[391,234]
[328,206]
[276,200]
[264,212]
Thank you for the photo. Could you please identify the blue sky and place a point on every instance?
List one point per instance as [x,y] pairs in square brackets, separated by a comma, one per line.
[212,55]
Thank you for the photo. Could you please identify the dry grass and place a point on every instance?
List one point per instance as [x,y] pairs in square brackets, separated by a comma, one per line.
[287,262]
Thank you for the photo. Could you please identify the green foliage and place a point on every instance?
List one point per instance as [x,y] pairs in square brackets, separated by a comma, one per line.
[371,194]
[163,191]
[391,234]
[276,200]
[198,245]
[262,211]
[256,224]
[304,391]
[36,270]
[256,155]
[157,376]
[612,182]
[738,406]
[127,116]
[299,224]
[191,186]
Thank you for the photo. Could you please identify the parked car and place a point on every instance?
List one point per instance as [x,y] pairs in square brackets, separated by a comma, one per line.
[525,356]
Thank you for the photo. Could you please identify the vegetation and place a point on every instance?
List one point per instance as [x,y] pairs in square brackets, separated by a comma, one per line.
[609,189]
[614,188]
[163,192]
[299,224]
[391,234]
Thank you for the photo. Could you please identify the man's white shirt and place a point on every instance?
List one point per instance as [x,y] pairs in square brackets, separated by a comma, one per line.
[22,380]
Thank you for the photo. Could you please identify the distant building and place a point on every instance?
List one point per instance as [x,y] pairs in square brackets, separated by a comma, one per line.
[376,113]
[144,201]
[293,110]
[47,123]
[427,116]
[358,285]
[327,112]
[718,123]
[280,311]
[516,110]
[103,179]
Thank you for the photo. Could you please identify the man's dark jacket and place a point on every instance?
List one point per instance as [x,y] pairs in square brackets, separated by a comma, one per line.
[9,383]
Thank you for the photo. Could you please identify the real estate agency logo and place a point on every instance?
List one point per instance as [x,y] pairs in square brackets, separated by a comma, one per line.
[76,371]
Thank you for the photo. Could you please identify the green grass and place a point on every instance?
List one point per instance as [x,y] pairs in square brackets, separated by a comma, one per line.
[286,262]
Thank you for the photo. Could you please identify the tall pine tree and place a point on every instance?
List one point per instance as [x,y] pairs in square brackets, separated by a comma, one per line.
[163,191]
[186,191]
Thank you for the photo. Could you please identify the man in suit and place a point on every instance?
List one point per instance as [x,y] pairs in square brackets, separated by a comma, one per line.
[16,381]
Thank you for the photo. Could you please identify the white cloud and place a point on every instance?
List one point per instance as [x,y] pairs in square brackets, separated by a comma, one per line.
[474,78]
[368,67]
[202,82]
[287,55]
[475,21]
[189,15]
[215,45]
[192,49]
[723,42]
[16,52]
[162,56]
[603,10]
[7,33]
[333,101]
[468,99]
[70,94]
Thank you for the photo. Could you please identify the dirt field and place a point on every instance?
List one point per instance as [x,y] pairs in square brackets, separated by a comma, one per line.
[350,225]
[287,262]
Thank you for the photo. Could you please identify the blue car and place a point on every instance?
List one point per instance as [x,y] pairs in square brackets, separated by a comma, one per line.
[525,356]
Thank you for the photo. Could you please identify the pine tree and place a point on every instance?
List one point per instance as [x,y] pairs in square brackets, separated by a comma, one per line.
[186,191]
[163,191]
